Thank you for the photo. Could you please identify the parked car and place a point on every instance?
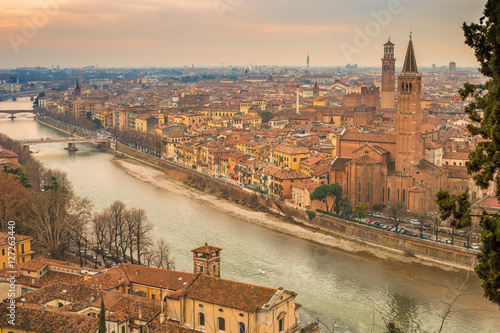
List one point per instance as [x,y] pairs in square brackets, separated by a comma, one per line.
[414,221]
[474,246]
[423,236]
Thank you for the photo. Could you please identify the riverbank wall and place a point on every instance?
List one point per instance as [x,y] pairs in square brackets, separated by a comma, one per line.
[401,244]
[404,245]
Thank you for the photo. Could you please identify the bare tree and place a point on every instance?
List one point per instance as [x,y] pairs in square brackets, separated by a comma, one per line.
[163,257]
[99,229]
[397,213]
[142,227]
[117,212]
[54,214]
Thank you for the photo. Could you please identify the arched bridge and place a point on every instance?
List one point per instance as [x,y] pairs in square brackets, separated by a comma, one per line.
[13,112]
[71,141]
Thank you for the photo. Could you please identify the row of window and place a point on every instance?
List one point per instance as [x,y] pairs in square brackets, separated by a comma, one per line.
[221,323]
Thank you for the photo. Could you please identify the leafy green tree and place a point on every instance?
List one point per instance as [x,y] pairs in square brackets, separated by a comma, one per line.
[484,161]
[102,318]
[266,116]
[488,267]
[21,175]
[323,192]
[361,211]
[344,206]
[456,208]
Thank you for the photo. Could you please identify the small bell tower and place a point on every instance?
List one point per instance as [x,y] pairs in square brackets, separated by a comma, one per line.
[206,260]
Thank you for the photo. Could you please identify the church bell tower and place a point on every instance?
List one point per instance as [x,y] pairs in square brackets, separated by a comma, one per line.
[388,76]
[409,142]
[206,260]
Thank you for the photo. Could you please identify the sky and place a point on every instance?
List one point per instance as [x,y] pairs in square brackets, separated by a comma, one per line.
[158,33]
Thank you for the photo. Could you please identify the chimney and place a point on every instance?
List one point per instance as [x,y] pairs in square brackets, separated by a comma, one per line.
[140,313]
[33,281]
[162,318]
[92,298]
[138,271]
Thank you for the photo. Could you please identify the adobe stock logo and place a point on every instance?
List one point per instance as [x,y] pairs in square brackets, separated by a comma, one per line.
[223,6]
[30,27]
[363,37]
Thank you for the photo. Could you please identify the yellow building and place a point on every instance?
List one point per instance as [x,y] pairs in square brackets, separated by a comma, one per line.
[14,251]
[285,156]
[215,305]
[218,113]
[106,117]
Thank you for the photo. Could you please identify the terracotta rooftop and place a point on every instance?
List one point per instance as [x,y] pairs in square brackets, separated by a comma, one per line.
[232,294]
[206,249]
[19,238]
[33,318]
[489,202]
[369,137]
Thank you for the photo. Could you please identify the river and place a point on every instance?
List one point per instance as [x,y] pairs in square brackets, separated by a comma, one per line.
[341,288]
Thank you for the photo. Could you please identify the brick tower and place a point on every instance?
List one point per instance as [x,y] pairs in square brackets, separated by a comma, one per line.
[388,76]
[409,143]
[206,260]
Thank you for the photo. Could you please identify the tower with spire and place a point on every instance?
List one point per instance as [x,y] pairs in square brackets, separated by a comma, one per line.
[409,145]
[307,61]
[388,76]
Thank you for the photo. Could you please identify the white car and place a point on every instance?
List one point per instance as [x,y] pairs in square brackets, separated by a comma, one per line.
[474,246]
[414,221]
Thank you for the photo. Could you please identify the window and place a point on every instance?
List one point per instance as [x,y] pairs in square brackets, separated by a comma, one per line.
[3,252]
[22,248]
[60,305]
[404,195]
[241,327]
[214,269]
[221,324]
[388,194]
[281,324]
[201,319]
[295,159]
[153,296]
[123,329]
[200,268]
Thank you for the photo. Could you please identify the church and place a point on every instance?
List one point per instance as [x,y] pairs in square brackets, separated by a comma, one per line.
[405,165]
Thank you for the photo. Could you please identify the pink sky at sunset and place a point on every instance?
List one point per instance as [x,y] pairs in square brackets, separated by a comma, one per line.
[238,32]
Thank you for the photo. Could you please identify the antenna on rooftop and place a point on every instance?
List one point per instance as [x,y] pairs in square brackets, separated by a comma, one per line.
[298,91]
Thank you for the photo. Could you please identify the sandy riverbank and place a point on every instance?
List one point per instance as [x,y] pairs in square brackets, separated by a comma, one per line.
[158,178]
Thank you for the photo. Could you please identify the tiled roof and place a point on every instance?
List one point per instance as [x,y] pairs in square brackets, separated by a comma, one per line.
[206,249]
[489,202]
[33,318]
[456,155]
[4,238]
[457,171]
[365,159]
[369,137]
[291,150]
[340,163]
[37,263]
[157,277]
[232,294]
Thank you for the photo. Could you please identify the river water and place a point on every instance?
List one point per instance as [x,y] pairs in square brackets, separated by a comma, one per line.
[344,290]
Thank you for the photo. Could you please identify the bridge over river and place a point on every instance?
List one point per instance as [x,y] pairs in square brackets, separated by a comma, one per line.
[13,112]
[71,141]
